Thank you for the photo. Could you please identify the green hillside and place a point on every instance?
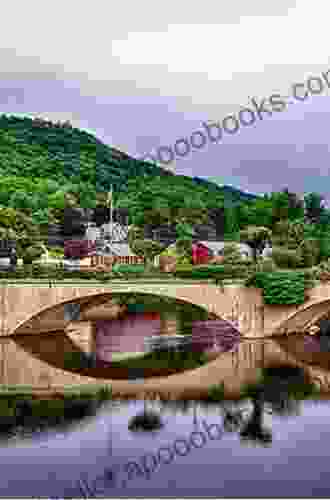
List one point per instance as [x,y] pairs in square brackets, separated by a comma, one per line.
[35,148]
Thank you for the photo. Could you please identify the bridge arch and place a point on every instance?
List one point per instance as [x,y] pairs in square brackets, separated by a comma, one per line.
[95,299]
[303,318]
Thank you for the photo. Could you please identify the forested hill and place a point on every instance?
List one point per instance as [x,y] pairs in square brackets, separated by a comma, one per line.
[230,193]
[35,150]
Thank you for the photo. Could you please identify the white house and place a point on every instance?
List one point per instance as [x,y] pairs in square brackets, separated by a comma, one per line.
[119,232]
[216,247]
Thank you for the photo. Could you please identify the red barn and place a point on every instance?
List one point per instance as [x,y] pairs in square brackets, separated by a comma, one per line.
[200,254]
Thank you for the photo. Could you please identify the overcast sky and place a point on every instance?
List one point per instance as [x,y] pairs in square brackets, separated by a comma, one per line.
[140,75]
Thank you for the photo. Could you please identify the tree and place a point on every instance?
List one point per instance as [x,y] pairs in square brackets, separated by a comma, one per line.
[296,233]
[310,252]
[231,220]
[148,249]
[257,213]
[256,237]
[231,254]
[166,200]
[314,207]
[184,240]
[32,253]
[144,248]
[21,228]
[21,200]
[286,205]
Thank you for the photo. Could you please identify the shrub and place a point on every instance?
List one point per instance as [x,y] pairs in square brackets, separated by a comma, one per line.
[231,254]
[129,268]
[283,257]
[32,253]
[199,272]
[324,249]
[216,392]
[212,272]
[322,272]
[266,265]
[56,252]
[281,287]
[309,251]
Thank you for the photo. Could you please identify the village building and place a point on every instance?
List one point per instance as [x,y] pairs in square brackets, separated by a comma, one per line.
[216,248]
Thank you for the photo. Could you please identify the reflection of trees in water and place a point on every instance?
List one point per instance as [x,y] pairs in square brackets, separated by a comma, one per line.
[324,325]
[254,430]
[147,421]
[232,418]
[281,387]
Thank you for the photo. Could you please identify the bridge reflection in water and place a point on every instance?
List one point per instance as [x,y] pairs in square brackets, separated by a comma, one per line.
[93,337]
[38,360]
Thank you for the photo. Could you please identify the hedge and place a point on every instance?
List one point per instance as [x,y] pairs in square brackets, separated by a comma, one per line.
[50,272]
[213,272]
[129,268]
[282,287]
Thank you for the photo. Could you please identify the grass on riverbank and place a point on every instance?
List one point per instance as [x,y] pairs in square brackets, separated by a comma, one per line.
[162,363]
[22,411]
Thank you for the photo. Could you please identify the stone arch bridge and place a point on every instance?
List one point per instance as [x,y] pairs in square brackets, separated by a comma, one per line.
[31,309]
[25,308]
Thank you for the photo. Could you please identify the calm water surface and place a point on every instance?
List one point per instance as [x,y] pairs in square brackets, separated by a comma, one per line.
[295,464]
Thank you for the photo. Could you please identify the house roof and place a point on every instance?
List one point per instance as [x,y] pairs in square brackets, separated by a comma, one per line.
[121,250]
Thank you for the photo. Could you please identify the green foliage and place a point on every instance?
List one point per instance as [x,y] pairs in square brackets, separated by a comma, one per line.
[309,251]
[18,226]
[314,207]
[216,393]
[129,268]
[218,272]
[41,149]
[199,272]
[231,254]
[286,205]
[286,258]
[56,252]
[266,265]
[32,253]
[280,287]
[148,249]
[184,231]
[324,248]
[231,220]
[169,200]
